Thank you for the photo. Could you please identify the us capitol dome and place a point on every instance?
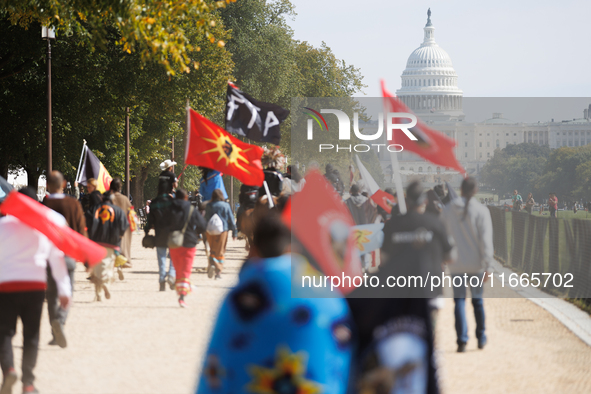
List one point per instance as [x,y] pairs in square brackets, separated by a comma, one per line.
[429,82]
[429,87]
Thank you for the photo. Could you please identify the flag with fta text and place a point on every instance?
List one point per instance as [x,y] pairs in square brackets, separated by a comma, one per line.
[431,145]
[53,226]
[252,118]
[210,146]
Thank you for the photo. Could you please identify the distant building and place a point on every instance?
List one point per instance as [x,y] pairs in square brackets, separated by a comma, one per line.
[429,87]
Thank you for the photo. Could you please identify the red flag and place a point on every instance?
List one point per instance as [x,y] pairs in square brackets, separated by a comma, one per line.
[210,146]
[322,224]
[53,226]
[286,215]
[384,200]
[432,145]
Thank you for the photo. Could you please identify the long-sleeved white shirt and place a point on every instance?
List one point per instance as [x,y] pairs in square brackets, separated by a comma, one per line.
[24,253]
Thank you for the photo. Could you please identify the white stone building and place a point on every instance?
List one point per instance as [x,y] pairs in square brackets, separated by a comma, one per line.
[429,87]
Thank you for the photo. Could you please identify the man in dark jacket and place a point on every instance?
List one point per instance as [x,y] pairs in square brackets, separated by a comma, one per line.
[159,220]
[247,199]
[185,218]
[109,223]
[71,210]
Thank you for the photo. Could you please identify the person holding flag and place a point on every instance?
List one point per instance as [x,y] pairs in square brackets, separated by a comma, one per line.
[24,256]
[361,208]
[273,160]
[91,167]
[211,180]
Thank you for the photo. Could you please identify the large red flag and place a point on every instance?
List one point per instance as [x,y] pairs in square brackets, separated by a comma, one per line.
[210,146]
[54,227]
[322,224]
[431,145]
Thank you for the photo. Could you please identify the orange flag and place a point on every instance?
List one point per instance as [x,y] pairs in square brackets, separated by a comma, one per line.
[210,146]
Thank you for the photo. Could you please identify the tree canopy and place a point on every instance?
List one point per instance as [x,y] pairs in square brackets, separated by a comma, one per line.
[109,55]
[159,31]
[538,169]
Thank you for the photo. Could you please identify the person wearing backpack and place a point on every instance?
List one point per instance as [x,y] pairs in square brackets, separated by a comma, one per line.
[186,224]
[220,220]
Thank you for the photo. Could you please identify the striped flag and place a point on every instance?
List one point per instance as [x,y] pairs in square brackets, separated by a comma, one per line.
[93,168]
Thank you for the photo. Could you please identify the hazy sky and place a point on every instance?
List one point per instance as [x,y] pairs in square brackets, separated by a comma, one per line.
[499,48]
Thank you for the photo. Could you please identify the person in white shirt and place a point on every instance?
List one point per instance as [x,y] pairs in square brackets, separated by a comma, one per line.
[24,253]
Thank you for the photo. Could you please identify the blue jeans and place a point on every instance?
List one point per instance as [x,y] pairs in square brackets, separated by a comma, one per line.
[161,253]
[460,310]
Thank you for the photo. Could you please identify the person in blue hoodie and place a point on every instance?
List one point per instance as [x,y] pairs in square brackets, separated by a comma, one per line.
[210,181]
[265,341]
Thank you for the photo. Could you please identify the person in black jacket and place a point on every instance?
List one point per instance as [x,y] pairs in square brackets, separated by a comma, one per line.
[107,226]
[185,218]
[158,220]
[272,160]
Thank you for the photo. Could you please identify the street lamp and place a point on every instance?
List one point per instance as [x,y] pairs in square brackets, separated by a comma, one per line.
[48,34]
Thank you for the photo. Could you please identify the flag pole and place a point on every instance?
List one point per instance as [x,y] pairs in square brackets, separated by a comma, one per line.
[187,136]
[80,162]
[395,169]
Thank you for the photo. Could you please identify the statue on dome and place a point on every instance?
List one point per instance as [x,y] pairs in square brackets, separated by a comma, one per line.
[429,13]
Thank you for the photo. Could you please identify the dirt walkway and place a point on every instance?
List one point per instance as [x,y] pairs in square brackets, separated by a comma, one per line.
[528,351]
[140,341]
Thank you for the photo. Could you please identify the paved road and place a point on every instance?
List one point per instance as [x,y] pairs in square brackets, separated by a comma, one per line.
[140,341]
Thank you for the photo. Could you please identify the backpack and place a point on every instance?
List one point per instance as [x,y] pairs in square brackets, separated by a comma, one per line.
[215,226]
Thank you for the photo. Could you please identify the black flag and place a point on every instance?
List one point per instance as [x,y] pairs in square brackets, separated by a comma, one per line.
[251,118]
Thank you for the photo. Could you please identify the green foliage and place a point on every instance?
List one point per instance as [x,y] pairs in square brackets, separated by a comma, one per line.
[537,169]
[160,31]
[90,92]
[274,67]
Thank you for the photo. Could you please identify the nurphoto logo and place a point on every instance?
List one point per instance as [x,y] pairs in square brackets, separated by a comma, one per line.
[394,121]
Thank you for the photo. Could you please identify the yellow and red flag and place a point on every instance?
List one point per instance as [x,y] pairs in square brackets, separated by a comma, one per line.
[210,146]
[93,168]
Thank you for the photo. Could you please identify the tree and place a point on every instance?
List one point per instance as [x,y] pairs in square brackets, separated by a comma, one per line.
[157,30]
[91,88]
[515,167]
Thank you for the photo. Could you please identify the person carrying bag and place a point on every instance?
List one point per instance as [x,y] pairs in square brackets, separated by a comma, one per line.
[182,243]
[176,238]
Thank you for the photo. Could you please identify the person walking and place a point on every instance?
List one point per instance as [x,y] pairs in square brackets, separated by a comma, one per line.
[187,219]
[220,220]
[470,225]
[529,203]
[211,180]
[361,208]
[517,201]
[167,175]
[123,202]
[273,160]
[72,211]
[159,220]
[297,181]
[24,256]
[552,204]
[107,226]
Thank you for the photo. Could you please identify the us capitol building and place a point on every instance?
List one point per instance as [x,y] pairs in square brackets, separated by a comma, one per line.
[430,89]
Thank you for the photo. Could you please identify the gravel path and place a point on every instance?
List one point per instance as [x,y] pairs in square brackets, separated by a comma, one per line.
[141,341]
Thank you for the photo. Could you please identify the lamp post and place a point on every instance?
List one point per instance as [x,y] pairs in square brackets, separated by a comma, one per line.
[127,179]
[48,34]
